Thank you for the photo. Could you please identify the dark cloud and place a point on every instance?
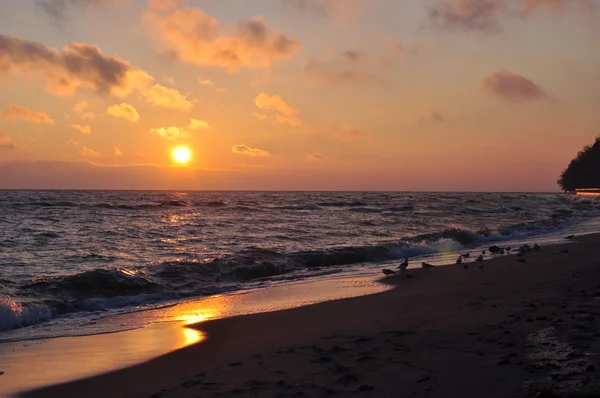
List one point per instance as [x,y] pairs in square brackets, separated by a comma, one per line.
[58,9]
[354,56]
[77,65]
[468,15]
[511,87]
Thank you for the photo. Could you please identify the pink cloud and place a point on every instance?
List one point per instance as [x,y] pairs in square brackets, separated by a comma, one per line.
[511,87]
[192,36]
[12,111]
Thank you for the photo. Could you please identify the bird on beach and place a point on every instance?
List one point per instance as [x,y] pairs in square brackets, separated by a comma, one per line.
[536,247]
[466,255]
[459,260]
[388,272]
[480,261]
[570,237]
[403,265]
[483,252]
[426,265]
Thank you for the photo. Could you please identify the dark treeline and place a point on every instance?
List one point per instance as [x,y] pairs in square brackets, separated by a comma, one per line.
[584,170]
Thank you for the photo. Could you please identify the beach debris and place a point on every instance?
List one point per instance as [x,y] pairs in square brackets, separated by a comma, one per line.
[496,249]
[466,255]
[564,251]
[388,272]
[459,260]
[402,267]
[425,265]
[536,247]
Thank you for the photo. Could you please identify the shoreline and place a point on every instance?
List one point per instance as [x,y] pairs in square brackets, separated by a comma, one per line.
[441,305]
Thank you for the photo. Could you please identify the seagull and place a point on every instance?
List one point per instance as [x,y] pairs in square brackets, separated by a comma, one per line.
[459,260]
[536,247]
[466,255]
[483,252]
[480,261]
[388,272]
[426,265]
[404,265]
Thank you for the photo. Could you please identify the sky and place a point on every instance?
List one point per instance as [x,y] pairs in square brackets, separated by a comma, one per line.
[393,95]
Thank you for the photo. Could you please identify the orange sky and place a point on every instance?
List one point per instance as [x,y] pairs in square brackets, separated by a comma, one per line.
[433,95]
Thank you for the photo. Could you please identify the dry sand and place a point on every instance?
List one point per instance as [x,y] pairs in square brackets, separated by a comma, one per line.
[511,330]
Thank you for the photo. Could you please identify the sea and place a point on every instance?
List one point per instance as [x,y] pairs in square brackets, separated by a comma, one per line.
[70,258]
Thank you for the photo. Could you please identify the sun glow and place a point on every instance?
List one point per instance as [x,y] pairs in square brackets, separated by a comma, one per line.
[182,154]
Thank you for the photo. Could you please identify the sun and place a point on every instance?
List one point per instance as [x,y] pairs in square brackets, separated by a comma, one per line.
[182,154]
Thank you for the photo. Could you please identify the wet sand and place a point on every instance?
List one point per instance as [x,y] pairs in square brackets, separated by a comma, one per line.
[511,330]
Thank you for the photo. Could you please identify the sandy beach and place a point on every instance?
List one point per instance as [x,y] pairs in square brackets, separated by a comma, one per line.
[522,326]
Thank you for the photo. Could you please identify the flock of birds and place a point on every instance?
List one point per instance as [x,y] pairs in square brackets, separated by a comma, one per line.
[495,250]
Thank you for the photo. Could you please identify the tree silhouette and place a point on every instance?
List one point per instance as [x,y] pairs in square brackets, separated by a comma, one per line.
[584,170]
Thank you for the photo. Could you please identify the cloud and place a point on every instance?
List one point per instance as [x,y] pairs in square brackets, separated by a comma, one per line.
[177,133]
[511,87]
[57,9]
[77,65]
[260,116]
[124,111]
[315,157]
[345,11]
[158,95]
[118,152]
[246,150]
[205,82]
[354,57]
[81,106]
[192,36]
[328,73]
[81,129]
[85,151]
[468,15]
[196,124]
[16,112]
[87,115]
[171,133]
[282,112]
[6,144]
[274,103]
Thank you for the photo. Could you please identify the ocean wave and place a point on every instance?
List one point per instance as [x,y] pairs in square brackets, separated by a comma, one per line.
[342,204]
[310,207]
[96,283]
[214,203]
[15,315]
